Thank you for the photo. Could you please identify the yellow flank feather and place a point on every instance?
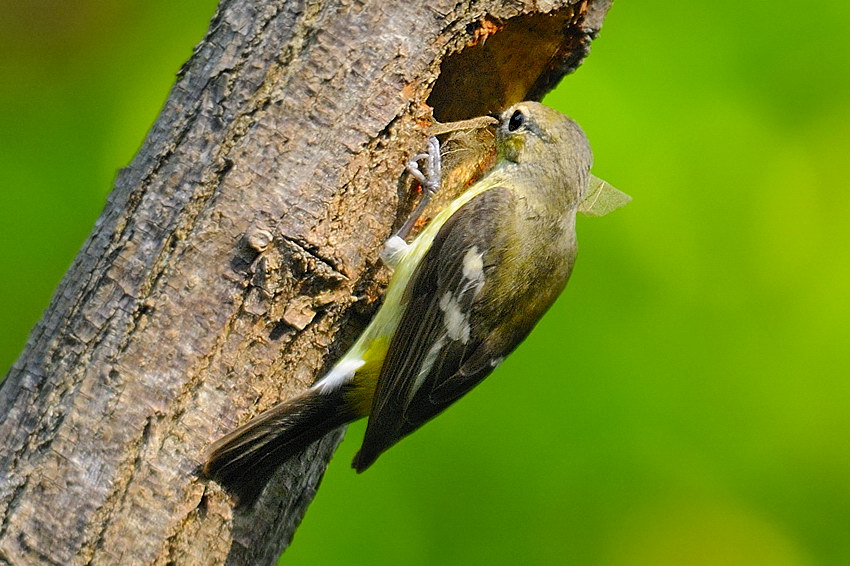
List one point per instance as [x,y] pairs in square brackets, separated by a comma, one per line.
[366,377]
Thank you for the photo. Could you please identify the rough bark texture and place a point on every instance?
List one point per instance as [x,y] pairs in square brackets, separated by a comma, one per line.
[221,276]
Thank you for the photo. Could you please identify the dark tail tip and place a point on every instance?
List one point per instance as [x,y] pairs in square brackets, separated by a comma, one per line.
[245,460]
[245,490]
[242,476]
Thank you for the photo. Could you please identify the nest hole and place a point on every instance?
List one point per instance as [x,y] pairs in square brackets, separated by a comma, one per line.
[505,62]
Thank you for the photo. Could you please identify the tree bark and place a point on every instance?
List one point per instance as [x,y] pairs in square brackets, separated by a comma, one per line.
[236,258]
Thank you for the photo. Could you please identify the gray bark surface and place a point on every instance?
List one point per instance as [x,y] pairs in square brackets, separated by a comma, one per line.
[221,276]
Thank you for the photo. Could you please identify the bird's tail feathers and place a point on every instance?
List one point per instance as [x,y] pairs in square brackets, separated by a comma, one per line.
[245,460]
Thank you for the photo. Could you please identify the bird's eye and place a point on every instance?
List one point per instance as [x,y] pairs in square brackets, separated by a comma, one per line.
[516,121]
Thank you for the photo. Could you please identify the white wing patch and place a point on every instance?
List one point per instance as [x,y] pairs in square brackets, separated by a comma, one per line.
[455,320]
[473,270]
[473,264]
[425,368]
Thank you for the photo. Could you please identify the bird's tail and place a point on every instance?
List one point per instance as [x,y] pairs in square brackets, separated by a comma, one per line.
[245,460]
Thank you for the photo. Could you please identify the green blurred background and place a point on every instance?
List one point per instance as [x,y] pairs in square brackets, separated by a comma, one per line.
[687,400]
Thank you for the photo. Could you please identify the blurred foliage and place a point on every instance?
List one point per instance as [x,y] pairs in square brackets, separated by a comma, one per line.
[685,402]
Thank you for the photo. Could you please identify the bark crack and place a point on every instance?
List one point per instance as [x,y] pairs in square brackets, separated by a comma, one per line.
[117,496]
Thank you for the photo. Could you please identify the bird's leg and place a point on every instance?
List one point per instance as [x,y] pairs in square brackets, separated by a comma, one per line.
[395,247]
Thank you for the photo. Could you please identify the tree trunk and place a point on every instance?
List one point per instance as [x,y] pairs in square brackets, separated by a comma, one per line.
[236,258]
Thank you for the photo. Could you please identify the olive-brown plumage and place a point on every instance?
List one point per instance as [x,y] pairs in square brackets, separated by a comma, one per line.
[464,294]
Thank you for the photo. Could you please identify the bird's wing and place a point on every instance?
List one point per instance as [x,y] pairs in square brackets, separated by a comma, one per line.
[440,351]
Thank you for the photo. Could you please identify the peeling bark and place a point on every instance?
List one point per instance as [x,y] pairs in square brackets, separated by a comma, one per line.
[236,258]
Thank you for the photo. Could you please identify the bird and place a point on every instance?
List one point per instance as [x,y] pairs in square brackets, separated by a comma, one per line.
[464,293]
